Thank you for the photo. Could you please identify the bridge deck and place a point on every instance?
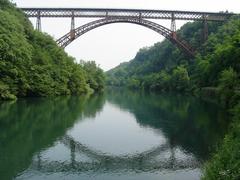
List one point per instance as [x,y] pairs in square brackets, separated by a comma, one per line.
[138,13]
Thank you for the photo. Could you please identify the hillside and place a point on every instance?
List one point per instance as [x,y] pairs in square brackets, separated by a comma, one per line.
[31,63]
[164,67]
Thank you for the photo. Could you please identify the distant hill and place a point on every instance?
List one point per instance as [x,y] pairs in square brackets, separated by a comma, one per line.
[163,66]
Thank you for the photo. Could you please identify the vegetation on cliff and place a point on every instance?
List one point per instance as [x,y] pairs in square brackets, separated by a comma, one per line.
[31,63]
[164,67]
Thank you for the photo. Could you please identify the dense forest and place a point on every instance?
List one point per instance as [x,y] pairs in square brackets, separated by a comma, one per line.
[214,72]
[31,63]
[164,67]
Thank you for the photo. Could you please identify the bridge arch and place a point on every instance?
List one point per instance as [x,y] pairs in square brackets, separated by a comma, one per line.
[167,33]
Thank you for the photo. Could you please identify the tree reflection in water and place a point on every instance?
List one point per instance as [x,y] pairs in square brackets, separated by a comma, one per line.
[29,127]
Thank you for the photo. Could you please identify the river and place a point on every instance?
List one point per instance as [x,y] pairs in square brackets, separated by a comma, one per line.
[118,135]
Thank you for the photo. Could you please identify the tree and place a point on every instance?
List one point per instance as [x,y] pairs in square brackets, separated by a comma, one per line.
[180,79]
[228,82]
[31,63]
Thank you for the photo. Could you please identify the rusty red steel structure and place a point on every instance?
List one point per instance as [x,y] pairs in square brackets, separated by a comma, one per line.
[167,33]
[135,16]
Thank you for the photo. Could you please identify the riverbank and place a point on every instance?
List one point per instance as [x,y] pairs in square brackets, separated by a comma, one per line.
[225,162]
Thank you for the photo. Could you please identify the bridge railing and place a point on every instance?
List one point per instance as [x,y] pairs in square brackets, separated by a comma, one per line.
[103,13]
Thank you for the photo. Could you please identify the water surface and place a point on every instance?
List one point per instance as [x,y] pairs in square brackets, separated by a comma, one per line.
[116,135]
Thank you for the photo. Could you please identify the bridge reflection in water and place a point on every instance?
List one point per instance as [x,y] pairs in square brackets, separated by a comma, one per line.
[150,160]
[36,135]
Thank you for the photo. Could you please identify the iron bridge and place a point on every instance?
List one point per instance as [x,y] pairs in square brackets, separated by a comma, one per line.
[135,16]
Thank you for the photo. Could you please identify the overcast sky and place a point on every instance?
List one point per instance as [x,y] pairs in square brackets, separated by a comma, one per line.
[115,43]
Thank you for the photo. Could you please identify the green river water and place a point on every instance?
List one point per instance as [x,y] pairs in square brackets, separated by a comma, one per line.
[115,135]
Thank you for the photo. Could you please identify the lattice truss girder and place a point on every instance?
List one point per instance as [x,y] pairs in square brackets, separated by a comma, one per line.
[125,15]
[103,13]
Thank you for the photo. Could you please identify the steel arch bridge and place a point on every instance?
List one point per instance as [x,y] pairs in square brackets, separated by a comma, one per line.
[167,33]
[135,16]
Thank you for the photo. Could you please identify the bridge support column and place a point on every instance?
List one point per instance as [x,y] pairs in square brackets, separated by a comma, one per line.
[173,27]
[205,29]
[72,31]
[173,23]
[38,23]
[140,16]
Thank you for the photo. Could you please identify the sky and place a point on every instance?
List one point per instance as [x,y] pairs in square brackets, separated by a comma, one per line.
[112,44]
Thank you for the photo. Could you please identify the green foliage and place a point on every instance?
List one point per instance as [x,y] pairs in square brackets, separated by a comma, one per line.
[96,77]
[221,51]
[180,79]
[31,63]
[133,83]
[164,57]
[225,164]
[228,79]
[77,81]
[160,81]
[4,92]
[228,82]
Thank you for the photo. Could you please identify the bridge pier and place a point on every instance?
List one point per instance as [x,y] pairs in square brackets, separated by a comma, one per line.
[72,31]
[173,23]
[173,27]
[38,23]
[205,28]
[140,17]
